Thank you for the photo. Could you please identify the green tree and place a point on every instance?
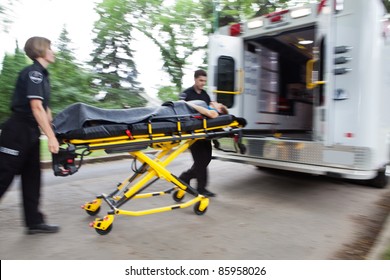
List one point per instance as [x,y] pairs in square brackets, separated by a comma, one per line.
[70,83]
[116,73]
[387,4]
[167,93]
[11,66]
[173,29]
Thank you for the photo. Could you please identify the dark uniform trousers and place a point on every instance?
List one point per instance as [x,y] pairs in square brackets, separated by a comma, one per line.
[20,154]
[201,152]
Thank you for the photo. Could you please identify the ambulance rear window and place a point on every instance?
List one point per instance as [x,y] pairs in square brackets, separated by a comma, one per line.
[225,80]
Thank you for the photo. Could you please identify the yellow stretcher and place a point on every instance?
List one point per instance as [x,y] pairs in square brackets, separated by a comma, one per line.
[153,167]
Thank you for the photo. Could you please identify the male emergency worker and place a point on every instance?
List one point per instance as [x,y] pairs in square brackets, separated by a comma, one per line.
[19,139]
[201,150]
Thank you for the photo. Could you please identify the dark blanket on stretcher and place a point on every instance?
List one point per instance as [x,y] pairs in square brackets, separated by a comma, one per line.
[81,121]
[80,115]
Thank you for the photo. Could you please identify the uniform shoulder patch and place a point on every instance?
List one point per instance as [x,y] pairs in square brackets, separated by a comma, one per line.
[36,77]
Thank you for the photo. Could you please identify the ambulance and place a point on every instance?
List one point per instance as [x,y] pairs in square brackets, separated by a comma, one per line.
[313,83]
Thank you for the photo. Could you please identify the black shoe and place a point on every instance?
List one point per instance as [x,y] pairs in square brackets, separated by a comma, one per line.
[43,228]
[207,193]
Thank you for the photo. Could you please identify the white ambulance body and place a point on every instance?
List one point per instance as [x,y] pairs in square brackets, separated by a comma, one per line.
[313,83]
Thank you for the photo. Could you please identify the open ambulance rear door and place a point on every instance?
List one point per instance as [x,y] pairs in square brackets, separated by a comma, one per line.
[225,81]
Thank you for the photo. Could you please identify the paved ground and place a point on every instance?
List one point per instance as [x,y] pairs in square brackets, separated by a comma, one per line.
[256,215]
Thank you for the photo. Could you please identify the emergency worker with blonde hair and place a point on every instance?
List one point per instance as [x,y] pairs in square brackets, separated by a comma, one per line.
[19,139]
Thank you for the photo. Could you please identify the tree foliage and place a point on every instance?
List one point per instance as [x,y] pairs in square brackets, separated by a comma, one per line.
[168,93]
[12,65]
[173,29]
[116,73]
[387,5]
[70,83]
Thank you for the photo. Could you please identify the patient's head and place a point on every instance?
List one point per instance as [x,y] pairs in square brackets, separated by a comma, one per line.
[222,109]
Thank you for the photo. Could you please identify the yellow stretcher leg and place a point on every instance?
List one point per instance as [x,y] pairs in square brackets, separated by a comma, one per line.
[153,169]
[93,207]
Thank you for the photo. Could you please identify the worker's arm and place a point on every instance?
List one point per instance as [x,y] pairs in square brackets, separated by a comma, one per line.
[49,115]
[206,112]
[42,118]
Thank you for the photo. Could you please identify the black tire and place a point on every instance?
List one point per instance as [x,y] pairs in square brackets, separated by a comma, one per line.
[380,181]
[104,232]
[176,198]
[242,148]
[93,213]
[197,210]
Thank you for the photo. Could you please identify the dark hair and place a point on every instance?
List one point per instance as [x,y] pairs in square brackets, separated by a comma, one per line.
[199,73]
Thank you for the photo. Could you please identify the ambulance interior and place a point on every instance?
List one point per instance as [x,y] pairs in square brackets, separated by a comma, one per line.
[284,104]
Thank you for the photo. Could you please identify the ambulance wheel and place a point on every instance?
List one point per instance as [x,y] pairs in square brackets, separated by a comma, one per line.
[380,181]
[92,213]
[242,148]
[104,231]
[176,198]
[197,210]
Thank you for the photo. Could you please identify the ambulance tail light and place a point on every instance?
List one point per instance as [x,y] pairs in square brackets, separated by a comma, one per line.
[235,29]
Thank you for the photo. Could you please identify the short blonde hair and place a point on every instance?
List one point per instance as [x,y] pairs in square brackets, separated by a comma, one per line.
[36,47]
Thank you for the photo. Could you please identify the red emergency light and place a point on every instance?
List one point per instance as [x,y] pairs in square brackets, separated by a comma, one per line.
[321,5]
[278,13]
[276,16]
[235,29]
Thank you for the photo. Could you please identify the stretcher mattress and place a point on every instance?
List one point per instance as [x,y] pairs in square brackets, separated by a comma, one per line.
[82,121]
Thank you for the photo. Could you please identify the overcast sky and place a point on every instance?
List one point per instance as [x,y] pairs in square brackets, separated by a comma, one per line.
[47,18]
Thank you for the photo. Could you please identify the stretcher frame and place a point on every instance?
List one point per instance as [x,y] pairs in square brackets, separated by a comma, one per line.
[153,168]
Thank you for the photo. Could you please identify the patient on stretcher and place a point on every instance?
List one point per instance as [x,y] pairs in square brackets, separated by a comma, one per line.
[214,110]
[82,121]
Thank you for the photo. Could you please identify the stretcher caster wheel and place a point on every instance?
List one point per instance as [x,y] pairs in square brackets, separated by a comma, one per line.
[178,195]
[200,209]
[103,226]
[92,208]
[104,231]
[92,213]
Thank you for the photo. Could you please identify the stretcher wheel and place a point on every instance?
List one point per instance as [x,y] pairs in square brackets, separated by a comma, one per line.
[197,210]
[92,213]
[104,231]
[176,197]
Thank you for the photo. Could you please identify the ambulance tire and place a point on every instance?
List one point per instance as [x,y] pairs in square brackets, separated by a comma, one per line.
[380,181]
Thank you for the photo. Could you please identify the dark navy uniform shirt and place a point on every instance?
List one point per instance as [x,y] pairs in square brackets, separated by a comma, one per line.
[32,83]
[190,94]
